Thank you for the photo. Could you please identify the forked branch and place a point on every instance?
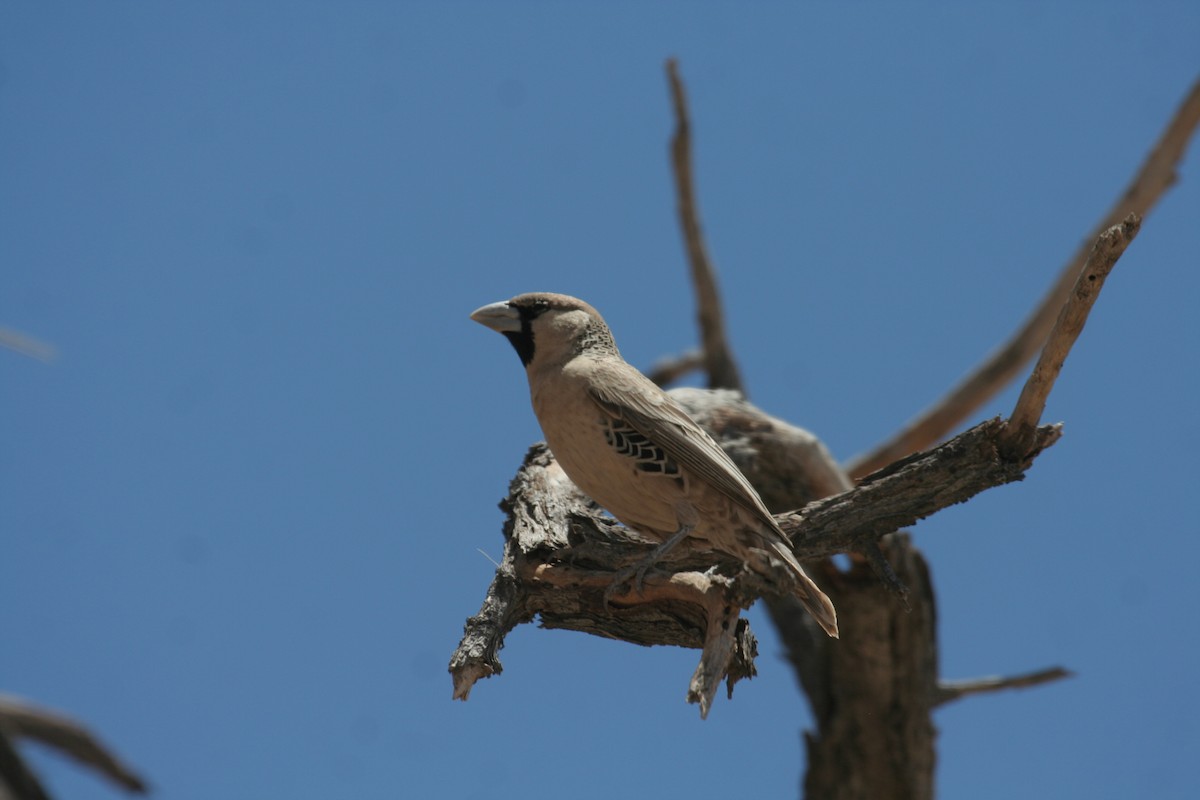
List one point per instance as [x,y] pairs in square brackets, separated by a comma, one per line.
[19,719]
[1158,173]
[562,553]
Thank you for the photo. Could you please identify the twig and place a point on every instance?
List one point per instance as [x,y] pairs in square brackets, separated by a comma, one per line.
[1157,174]
[669,370]
[720,644]
[477,655]
[19,718]
[949,691]
[718,359]
[1109,246]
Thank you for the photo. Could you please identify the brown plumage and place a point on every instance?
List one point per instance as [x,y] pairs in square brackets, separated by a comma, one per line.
[634,450]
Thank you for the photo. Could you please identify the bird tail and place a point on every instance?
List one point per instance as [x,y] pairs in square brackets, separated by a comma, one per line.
[807,592]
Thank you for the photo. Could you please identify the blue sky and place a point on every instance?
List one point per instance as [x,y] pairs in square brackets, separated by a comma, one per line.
[243,511]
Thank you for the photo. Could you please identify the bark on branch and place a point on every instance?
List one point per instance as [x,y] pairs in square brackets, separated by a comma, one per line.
[1071,318]
[561,552]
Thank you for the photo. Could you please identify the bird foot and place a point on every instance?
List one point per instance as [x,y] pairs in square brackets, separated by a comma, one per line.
[637,572]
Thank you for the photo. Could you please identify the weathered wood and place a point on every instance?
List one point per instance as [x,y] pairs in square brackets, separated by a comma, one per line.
[561,552]
[911,489]
[874,736]
[1158,173]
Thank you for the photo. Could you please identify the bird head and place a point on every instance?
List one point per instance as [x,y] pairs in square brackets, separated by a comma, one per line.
[550,327]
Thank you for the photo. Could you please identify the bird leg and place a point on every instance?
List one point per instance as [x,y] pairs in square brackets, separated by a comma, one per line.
[638,570]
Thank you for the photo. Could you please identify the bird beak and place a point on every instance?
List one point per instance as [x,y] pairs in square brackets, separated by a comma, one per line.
[501,317]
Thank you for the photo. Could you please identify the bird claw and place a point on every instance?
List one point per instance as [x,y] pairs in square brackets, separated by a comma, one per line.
[613,588]
[637,572]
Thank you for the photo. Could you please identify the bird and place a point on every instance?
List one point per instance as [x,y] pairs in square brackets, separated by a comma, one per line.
[634,450]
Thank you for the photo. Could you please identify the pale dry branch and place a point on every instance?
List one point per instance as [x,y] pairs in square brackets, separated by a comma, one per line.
[722,370]
[949,691]
[1157,174]
[1027,413]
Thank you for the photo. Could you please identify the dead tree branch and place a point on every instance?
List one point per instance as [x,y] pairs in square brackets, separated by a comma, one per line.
[1158,173]
[872,692]
[19,719]
[911,490]
[890,666]
[722,370]
[949,691]
[1105,252]
[562,553]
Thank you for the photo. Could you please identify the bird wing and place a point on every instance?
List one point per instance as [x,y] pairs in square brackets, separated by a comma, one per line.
[629,397]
